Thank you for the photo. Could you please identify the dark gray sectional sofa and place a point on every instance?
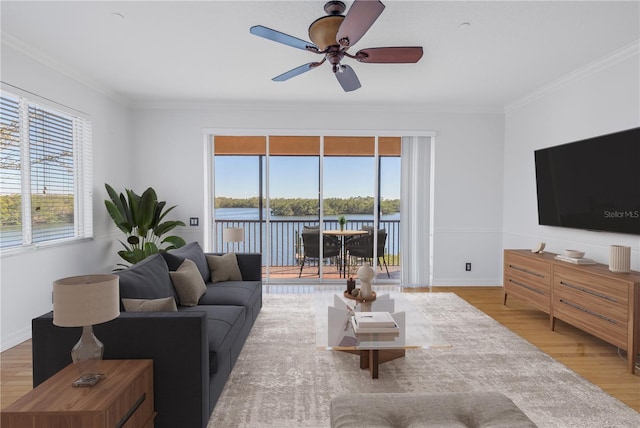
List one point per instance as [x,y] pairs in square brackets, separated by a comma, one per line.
[193,349]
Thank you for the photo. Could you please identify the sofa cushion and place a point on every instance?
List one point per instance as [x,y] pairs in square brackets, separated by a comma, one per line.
[188,283]
[148,279]
[166,304]
[235,293]
[224,268]
[192,251]
[224,324]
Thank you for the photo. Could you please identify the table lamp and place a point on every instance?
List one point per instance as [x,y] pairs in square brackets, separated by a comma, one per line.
[82,301]
[232,234]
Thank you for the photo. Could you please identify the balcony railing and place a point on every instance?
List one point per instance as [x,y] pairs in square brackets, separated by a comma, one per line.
[286,239]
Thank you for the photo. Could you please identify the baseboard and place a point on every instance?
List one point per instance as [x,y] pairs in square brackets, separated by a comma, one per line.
[15,338]
[461,282]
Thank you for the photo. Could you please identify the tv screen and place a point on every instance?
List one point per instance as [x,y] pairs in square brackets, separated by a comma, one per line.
[591,184]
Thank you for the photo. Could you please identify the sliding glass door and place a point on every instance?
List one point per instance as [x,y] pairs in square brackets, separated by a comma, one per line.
[293,196]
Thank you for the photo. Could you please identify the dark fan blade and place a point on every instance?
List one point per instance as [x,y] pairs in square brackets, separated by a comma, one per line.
[361,16]
[295,72]
[277,36]
[347,78]
[397,55]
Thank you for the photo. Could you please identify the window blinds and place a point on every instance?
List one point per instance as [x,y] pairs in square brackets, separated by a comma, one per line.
[46,173]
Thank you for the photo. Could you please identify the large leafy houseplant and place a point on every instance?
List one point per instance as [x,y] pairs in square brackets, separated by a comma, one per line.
[140,218]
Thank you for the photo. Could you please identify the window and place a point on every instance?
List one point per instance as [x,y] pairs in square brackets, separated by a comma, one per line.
[45,173]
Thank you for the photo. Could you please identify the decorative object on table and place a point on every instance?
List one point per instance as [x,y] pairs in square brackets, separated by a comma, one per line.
[620,259]
[575,257]
[355,294]
[539,248]
[342,220]
[232,235]
[140,218]
[351,284]
[83,301]
[574,254]
[365,275]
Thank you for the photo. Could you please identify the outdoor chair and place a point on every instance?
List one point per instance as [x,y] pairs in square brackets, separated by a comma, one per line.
[362,246]
[311,246]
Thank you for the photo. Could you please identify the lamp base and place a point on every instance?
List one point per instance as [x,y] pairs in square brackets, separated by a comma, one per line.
[88,380]
[87,355]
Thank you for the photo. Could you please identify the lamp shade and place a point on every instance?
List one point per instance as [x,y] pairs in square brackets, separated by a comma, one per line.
[233,234]
[85,300]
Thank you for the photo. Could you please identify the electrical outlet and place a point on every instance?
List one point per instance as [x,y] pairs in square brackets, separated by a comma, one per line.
[467,267]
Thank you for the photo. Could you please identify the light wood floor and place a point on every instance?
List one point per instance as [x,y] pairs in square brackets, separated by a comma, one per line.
[595,360]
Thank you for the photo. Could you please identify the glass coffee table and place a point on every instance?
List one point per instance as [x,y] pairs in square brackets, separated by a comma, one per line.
[334,330]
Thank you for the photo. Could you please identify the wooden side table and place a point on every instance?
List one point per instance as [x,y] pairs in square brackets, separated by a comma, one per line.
[123,399]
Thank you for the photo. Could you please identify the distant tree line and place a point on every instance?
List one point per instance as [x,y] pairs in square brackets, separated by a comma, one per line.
[305,207]
[47,209]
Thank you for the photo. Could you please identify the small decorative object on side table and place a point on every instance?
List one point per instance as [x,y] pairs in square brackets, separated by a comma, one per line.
[123,399]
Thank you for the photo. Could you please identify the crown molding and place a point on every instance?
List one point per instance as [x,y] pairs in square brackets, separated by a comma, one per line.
[48,61]
[616,57]
[263,105]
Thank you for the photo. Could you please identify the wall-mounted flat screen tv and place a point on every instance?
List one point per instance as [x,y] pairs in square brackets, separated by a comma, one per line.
[591,184]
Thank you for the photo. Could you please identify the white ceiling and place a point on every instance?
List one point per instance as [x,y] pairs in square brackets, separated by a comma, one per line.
[201,51]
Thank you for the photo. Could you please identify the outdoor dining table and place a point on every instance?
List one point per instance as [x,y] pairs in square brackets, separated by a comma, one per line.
[342,234]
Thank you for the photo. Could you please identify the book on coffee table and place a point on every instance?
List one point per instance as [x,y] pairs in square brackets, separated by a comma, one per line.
[374,319]
[382,328]
[378,331]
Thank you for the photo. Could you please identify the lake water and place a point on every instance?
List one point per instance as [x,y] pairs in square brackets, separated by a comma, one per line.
[252,214]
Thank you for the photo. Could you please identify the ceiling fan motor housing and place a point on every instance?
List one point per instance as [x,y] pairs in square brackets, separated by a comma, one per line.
[322,31]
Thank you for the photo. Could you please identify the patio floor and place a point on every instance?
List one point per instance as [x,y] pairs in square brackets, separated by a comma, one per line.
[329,272]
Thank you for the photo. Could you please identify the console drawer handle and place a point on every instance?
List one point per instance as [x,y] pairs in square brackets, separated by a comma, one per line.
[595,314]
[518,268]
[520,284]
[586,290]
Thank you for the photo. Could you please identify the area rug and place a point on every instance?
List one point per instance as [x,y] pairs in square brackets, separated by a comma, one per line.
[281,380]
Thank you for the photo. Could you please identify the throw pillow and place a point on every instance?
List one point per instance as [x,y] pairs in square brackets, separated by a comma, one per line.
[167,304]
[192,251]
[148,279]
[224,268]
[188,283]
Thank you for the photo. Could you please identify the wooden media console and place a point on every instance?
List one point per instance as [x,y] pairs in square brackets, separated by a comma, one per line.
[589,297]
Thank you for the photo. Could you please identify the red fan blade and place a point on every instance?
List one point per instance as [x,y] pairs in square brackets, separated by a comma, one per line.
[361,16]
[396,55]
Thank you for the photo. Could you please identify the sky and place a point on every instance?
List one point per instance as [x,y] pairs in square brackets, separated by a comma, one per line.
[297,177]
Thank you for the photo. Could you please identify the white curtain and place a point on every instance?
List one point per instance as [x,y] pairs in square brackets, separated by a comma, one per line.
[415,212]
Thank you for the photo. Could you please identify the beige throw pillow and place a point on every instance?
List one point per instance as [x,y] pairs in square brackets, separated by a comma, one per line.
[188,283]
[224,268]
[166,304]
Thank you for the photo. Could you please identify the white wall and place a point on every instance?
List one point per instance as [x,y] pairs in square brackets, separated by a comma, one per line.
[468,168]
[600,99]
[26,277]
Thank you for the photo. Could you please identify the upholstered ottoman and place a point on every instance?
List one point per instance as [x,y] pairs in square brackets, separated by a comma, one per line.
[472,409]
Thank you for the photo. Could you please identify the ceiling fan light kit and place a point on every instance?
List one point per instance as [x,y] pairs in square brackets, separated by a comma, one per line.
[332,35]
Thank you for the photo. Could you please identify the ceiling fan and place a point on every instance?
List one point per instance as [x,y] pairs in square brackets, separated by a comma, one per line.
[334,34]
